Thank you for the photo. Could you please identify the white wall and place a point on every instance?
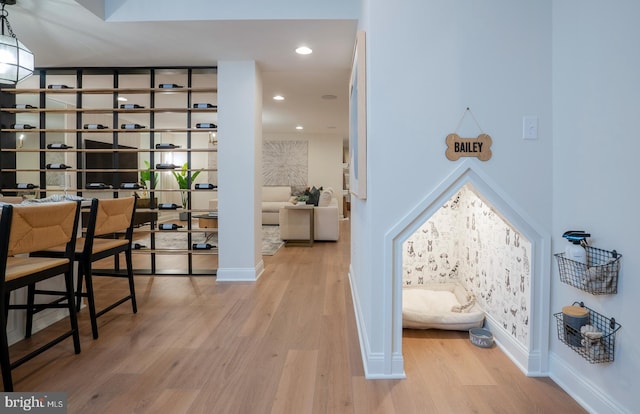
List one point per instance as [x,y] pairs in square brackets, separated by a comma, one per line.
[426,62]
[325,159]
[595,102]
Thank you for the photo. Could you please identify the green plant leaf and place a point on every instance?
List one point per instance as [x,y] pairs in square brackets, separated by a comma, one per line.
[145,175]
[183,175]
[182,178]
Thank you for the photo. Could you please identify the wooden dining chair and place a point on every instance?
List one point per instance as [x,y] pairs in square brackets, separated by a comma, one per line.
[24,229]
[108,232]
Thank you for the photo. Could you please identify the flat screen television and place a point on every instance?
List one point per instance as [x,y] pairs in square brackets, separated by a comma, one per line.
[109,160]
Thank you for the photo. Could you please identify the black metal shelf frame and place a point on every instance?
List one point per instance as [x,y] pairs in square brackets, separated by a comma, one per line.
[9,169]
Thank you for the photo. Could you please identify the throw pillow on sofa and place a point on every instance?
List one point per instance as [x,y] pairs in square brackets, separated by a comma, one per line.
[325,198]
[314,196]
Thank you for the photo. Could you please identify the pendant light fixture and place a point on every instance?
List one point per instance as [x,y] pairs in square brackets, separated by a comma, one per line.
[16,60]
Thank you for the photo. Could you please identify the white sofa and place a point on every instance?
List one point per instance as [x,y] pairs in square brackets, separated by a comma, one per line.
[294,225]
[274,198]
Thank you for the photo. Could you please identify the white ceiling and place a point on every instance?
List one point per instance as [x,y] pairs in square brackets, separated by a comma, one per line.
[63,33]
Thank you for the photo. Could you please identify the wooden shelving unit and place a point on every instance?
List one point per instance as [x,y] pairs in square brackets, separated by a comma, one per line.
[95,96]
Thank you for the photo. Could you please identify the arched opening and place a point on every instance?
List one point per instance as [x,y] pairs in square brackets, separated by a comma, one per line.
[467,231]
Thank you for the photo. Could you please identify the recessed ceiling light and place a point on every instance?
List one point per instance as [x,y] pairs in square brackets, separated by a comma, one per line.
[122,99]
[329,97]
[278,98]
[299,127]
[303,50]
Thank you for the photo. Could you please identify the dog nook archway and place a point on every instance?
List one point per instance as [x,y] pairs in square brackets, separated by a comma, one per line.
[468,234]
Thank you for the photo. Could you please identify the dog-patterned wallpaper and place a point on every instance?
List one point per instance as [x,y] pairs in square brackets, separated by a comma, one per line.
[466,241]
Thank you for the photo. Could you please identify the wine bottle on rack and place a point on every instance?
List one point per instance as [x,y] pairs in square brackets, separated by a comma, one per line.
[26,186]
[206,125]
[58,146]
[24,106]
[207,186]
[168,206]
[131,126]
[204,106]
[130,186]
[169,226]
[58,87]
[165,166]
[167,146]
[138,246]
[22,126]
[131,106]
[169,86]
[57,166]
[95,126]
[202,246]
[97,186]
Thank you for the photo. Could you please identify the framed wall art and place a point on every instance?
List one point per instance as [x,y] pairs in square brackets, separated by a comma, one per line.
[358,120]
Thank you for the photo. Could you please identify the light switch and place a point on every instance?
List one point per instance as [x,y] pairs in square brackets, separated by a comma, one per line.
[529,127]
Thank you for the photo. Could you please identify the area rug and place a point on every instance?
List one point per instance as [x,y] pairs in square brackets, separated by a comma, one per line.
[271,241]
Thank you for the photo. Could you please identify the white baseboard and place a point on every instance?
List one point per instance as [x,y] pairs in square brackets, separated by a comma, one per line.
[529,362]
[375,365]
[240,274]
[40,321]
[578,386]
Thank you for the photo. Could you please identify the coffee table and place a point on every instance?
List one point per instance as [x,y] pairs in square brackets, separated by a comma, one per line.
[208,221]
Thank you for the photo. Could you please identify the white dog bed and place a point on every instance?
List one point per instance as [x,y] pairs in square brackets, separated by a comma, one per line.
[440,306]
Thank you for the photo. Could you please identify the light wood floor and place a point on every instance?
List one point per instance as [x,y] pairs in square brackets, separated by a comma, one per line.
[285,344]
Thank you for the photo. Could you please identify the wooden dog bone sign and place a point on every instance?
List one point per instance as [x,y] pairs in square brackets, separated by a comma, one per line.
[468,147]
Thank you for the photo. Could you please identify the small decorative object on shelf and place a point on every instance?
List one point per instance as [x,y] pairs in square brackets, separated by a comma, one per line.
[132,126]
[57,166]
[95,126]
[58,146]
[131,106]
[165,166]
[206,125]
[202,246]
[26,186]
[22,126]
[169,86]
[138,246]
[58,87]
[169,226]
[131,186]
[587,332]
[205,186]
[584,267]
[24,106]
[167,146]
[168,206]
[204,106]
[98,186]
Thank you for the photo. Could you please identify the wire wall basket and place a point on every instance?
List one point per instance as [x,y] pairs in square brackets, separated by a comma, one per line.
[599,276]
[594,341]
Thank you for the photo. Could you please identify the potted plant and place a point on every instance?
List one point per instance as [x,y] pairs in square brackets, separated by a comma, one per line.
[145,176]
[182,177]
